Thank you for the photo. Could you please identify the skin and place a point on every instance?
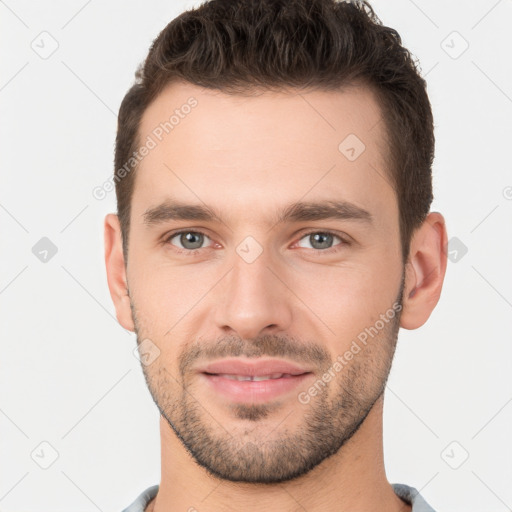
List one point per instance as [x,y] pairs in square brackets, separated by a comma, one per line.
[248,157]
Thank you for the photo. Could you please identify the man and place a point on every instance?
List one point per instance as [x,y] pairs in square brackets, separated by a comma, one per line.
[273,178]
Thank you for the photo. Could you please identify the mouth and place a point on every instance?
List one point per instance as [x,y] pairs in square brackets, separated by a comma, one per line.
[260,381]
[254,378]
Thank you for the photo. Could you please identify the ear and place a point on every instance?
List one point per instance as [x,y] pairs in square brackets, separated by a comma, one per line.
[424,271]
[116,271]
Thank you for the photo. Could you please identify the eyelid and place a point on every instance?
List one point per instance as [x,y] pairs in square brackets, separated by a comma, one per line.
[345,240]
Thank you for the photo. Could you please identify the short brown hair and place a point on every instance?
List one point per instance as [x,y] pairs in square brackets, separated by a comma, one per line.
[236,46]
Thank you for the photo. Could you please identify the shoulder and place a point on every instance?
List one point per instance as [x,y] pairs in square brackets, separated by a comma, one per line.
[413,497]
[142,501]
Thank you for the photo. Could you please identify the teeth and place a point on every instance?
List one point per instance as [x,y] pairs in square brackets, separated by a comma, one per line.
[254,378]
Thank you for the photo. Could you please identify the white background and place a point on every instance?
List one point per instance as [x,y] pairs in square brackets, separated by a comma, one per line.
[68,375]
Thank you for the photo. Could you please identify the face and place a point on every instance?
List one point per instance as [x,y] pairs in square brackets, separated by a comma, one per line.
[264,273]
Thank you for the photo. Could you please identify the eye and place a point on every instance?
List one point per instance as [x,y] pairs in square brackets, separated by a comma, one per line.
[189,240]
[322,240]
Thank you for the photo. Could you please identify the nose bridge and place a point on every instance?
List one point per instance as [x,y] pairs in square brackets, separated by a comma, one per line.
[252,297]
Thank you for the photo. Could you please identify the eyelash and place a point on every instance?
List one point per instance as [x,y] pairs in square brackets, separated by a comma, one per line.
[317,252]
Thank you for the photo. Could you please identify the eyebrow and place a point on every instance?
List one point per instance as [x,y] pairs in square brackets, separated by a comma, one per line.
[295,212]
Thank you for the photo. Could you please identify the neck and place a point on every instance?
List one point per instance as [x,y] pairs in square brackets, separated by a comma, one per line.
[352,480]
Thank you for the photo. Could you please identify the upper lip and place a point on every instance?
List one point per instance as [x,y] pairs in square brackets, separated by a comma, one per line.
[253,368]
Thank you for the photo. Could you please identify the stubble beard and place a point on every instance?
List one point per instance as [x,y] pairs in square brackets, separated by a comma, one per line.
[265,455]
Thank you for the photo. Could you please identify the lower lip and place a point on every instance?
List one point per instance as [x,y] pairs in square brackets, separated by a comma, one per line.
[254,391]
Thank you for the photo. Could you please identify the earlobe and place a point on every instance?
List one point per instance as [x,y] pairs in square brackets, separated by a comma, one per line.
[424,272]
[116,271]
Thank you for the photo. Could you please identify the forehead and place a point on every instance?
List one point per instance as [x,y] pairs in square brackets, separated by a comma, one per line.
[208,146]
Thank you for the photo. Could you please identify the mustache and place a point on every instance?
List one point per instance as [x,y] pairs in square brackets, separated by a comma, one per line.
[267,345]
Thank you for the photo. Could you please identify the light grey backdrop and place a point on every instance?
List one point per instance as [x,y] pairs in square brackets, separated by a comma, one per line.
[69,378]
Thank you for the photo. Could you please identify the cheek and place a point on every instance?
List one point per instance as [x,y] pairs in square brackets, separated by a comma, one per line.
[347,299]
[165,291]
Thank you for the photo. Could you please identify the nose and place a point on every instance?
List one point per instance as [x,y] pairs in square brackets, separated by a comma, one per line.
[253,298]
